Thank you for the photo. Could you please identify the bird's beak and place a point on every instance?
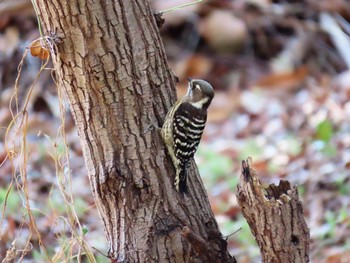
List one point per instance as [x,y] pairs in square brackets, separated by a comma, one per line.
[190,87]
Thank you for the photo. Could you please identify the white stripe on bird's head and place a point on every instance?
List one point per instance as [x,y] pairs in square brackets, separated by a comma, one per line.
[199,104]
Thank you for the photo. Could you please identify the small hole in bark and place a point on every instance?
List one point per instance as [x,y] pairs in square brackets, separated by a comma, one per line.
[295,240]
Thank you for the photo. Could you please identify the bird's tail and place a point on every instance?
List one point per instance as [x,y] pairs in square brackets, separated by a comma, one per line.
[181,181]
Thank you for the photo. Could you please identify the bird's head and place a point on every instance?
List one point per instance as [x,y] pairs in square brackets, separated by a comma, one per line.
[200,93]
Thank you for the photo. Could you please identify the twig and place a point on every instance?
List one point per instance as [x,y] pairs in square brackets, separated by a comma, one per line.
[179,7]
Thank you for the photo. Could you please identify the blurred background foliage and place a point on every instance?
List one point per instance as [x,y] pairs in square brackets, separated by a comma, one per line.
[280,69]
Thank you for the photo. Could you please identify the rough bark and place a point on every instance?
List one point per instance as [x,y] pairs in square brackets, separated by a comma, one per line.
[275,217]
[112,65]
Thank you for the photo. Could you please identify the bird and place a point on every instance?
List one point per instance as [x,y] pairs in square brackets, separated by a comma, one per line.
[183,128]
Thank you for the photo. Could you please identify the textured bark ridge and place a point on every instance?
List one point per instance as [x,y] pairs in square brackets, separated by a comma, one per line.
[275,217]
[112,65]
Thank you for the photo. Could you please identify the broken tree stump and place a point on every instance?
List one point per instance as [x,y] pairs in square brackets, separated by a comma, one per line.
[275,216]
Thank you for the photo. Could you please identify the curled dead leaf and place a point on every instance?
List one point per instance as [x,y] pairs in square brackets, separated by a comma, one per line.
[35,48]
[38,50]
[44,54]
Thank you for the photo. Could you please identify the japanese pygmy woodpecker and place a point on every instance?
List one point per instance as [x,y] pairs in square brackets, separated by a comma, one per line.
[184,125]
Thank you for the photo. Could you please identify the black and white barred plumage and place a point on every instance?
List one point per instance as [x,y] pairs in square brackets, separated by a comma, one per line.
[183,128]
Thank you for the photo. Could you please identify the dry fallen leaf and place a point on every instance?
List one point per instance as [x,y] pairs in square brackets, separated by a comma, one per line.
[198,65]
[285,81]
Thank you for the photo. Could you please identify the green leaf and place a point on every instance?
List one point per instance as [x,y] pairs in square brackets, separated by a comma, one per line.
[324,131]
[85,230]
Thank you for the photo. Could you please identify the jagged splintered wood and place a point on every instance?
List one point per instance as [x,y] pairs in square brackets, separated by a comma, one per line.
[275,217]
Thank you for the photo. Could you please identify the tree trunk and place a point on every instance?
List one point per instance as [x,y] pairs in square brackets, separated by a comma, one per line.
[112,65]
[275,217]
